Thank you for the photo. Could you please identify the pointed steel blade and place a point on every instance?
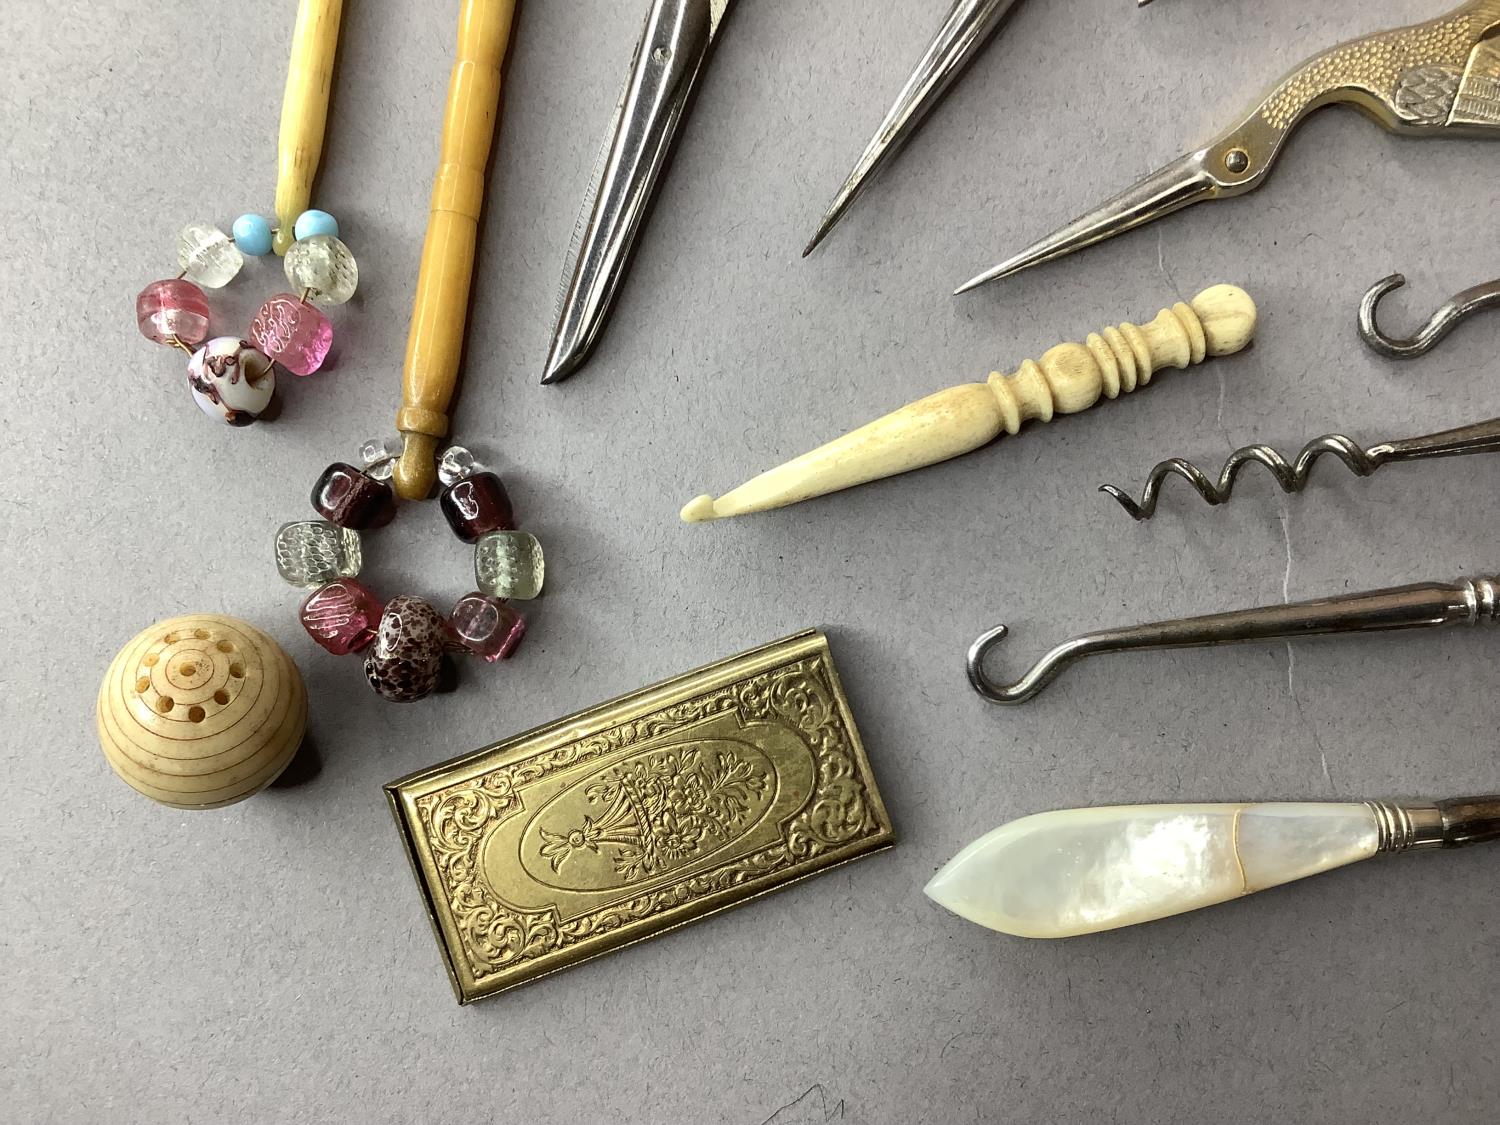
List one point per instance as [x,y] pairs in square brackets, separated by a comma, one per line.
[669,59]
[1180,184]
[967,29]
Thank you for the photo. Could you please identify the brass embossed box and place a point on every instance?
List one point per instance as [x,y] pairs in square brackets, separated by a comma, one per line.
[639,815]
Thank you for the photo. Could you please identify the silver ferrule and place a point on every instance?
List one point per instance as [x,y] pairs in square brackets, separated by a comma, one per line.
[1403,827]
[1483,596]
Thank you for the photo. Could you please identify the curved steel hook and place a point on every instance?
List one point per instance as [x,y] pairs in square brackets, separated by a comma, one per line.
[1442,322]
[1423,606]
[1030,685]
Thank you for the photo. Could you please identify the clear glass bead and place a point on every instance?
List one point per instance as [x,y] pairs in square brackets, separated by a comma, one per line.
[207,255]
[486,626]
[323,264]
[509,564]
[377,457]
[457,464]
[316,552]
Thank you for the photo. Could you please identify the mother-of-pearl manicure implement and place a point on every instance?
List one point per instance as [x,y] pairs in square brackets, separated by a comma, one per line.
[1080,871]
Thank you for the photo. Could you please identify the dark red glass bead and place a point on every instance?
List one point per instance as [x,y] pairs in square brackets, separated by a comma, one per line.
[352,499]
[476,506]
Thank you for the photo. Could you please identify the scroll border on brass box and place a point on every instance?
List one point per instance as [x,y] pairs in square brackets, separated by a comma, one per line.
[448,813]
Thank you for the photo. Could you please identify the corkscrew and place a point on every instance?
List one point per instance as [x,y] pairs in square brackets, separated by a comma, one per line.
[1442,322]
[1428,605]
[1481,437]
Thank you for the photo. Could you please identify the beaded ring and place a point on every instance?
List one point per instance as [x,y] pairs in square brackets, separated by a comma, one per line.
[231,379]
[409,635]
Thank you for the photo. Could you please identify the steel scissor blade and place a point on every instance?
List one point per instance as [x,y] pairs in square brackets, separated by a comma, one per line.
[669,58]
[1180,184]
[968,27]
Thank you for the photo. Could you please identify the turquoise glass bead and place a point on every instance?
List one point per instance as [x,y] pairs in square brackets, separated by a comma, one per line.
[310,223]
[252,234]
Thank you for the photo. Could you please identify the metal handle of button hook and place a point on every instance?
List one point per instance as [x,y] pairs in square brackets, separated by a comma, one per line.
[1421,606]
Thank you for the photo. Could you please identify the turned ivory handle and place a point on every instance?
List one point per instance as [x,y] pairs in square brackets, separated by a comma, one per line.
[304,112]
[1067,379]
[441,305]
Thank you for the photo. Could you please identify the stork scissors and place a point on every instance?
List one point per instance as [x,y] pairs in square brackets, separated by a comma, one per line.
[1435,79]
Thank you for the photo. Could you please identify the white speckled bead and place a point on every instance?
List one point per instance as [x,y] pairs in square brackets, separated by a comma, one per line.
[1079,871]
[231,381]
[208,256]
[324,265]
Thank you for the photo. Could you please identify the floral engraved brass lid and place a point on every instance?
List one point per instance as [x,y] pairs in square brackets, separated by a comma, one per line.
[633,817]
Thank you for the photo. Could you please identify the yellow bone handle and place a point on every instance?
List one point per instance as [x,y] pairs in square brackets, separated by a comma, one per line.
[1067,379]
[441,305]
[304,111]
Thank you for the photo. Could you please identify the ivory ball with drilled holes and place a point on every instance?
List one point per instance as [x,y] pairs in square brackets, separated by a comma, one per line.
[201,711]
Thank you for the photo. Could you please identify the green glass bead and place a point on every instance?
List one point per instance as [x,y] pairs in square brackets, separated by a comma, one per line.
[509,564]
[316,552]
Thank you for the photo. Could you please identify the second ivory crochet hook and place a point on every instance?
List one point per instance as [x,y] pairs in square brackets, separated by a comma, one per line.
[1435,79]
[1428,605]
[1067,379]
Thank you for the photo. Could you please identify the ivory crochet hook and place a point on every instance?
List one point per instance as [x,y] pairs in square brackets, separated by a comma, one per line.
[304,112]
[1081,871]
[1067,379]
[441,306]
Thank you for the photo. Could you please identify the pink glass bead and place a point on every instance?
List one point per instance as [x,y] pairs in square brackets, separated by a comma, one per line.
[342,616]
[172,310]
[486,626]
[293,333]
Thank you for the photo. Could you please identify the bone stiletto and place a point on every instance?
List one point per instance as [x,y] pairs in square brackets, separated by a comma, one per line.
[1067,379]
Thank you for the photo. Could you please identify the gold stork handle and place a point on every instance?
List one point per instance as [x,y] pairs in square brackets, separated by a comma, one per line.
[440,309]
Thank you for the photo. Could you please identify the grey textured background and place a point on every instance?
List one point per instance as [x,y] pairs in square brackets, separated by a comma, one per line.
[271,961]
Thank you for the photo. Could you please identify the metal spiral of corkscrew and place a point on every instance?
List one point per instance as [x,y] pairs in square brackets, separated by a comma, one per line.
[1482,437]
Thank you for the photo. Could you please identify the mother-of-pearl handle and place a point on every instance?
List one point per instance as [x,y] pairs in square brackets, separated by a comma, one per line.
[1080,871]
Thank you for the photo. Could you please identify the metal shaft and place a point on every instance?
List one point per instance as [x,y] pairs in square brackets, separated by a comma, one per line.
[1454,823]
[969,26]
[1422,606]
